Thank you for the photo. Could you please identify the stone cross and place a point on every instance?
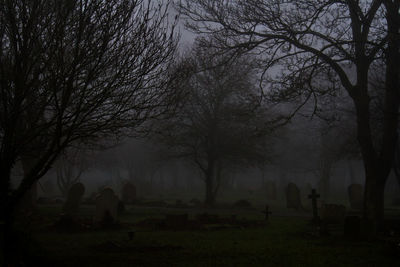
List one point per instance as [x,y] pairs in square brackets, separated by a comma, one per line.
[267,212]
[314,196]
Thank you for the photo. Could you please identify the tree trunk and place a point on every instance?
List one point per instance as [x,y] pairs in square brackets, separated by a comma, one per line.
[28,203]
[209,180]
[210,196]
[7,239]
[374,202]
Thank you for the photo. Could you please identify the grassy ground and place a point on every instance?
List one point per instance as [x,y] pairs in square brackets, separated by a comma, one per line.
[283,241]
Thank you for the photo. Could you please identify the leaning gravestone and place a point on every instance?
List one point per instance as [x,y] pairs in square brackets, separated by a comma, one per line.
[74,198]
[128,193]
[106,207]
[356,194]
[293,200]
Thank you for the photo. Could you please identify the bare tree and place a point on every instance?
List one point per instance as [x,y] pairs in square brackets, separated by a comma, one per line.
[73,72]
[220,124]
[338,40]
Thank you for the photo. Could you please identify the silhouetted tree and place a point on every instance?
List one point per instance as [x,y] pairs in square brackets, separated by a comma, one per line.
[338,40]
[73,72]
[220,124]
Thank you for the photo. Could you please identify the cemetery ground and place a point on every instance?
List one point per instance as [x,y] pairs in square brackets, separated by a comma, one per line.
[144,238]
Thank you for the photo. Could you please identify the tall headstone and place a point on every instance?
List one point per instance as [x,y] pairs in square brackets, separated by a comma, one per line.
[74,199]
[293,200]
[106,206]
[128,194]
[356,193]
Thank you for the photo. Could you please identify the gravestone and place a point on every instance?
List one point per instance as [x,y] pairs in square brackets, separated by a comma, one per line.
[270,187]
[75,194]
[293,200]
[333,213]
[106,207]
[128,193]
[356,194]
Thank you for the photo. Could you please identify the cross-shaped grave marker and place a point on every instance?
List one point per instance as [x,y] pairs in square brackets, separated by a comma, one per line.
[267,212]
[314,196]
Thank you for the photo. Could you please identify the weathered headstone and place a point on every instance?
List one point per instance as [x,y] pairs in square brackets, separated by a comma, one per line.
[293,200]
[106,207]
[128,193]
[356,194]
[270,187]
[333,213]
[75,194]
[314,196]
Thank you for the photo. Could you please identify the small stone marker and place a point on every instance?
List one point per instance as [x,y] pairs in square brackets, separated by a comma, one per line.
[106,206]
[74,198]
[314,196]
[267,212]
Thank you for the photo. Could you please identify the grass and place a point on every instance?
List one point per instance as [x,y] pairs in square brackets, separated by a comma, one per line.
[283,241]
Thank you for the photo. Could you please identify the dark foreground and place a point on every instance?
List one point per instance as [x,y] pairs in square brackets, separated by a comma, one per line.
[250,241]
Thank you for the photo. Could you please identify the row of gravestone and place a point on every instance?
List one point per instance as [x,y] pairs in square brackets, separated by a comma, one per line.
[293,198]
[107,202]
